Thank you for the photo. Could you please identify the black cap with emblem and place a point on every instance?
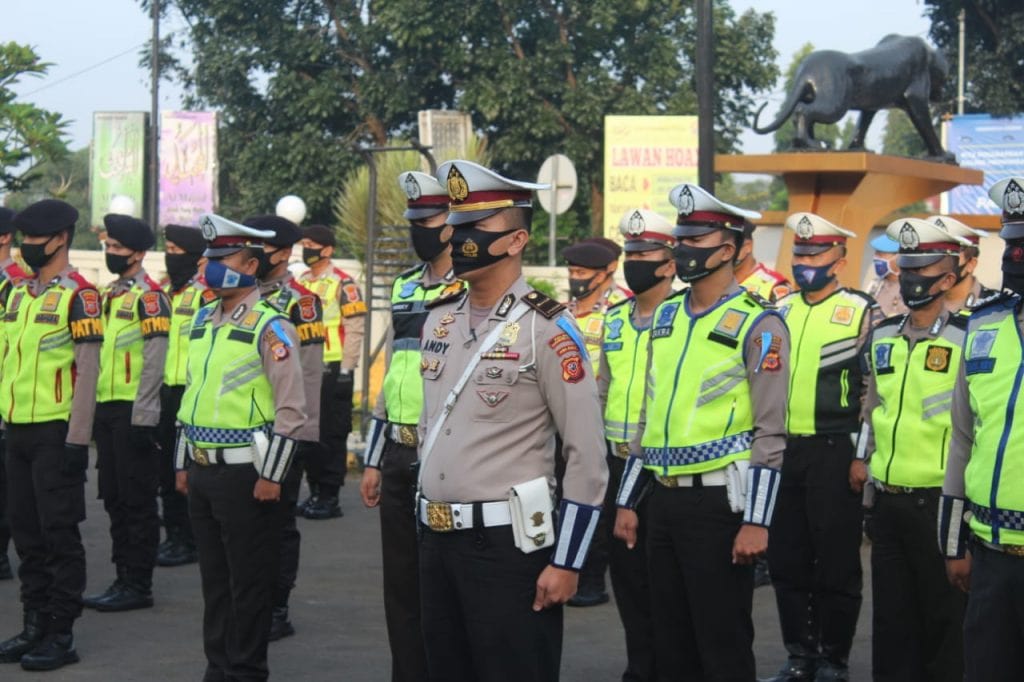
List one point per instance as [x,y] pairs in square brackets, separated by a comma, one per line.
[592,252]
[320,234]
[131,232]
[188,239]
[1008,194]
[45,217]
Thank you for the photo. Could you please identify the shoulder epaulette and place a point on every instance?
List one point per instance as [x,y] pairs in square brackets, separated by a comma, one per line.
[453,292]
[998,298]
[857,293]
[298,288]
[759,299]
[677,294]
[959,319]
[79,281]
[619,304]
[414,270]
[151,283]
[894,321]
[545,305]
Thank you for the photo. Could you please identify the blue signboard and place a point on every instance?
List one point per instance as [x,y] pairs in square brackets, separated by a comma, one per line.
[992,145]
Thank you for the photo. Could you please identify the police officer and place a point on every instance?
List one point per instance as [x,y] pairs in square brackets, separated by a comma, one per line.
[592,290]
[621,380]
[504,369]
[968,290]
[10,274]
[757,277]
[711,435]
[885,288]
[52,329]
[302,307]
[187,292]
[980,528]
[389,479]
[344,322]
[814,555]
[136,325]
[912,361]
[242,410]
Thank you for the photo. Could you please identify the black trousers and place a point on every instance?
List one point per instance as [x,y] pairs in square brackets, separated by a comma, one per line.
[631,584]
[326,467]
[5,526]
[239,541]
[701,601]
[917,628]
[477,594]
[45,504]
[174,504]
[291,539]
[994,622]
[814,549]
[400,557]
[128,472]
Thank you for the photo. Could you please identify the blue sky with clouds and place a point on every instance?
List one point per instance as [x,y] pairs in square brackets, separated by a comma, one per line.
[95,45]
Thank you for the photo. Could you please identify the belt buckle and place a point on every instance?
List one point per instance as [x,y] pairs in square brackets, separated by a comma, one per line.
[622,450]
[407,435]
[668,481]
[200,457]
[1014,550]
[439,517]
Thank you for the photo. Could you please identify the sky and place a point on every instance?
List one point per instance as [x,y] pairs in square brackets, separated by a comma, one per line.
[95,46]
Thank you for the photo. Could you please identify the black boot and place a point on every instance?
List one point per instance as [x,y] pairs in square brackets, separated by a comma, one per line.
[762,576]
[54,651]
[802,664]
[177,550]
[5,567]
[280,626]
[301,507]
[135,592]
[14,648]
[91,601]
[834,666]
[320,508]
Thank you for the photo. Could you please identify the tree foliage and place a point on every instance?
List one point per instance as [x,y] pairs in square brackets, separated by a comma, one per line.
[67,179]
[300,82]
[994,54]
[28,135]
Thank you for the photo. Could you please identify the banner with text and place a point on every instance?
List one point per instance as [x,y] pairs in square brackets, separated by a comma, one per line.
[644,158]
[992,145]
[188,166]
[117,161]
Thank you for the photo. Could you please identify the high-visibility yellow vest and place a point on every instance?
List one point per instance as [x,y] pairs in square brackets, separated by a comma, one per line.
[625,352]
[184,305]
[329,288]
[591,325]
[128,318]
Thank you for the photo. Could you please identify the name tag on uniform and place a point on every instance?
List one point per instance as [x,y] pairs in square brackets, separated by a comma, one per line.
[883,359]
[611,346]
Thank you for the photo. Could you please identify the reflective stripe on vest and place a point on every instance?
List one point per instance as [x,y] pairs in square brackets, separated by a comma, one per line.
[625,352]
[824,376]
[184,305]
[699,414]
[912,422]
[228,394]
[121,352]
[328,288]
[994,366]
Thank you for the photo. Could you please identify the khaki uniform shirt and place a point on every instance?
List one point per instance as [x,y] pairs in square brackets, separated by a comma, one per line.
[501,430]
[886,292]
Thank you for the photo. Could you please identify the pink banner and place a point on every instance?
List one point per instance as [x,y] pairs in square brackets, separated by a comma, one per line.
[188,166]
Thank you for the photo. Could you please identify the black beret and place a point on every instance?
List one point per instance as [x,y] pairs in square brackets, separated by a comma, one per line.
[131,232]
[321,234]
[285,231]
[593,252]
[189,239]
[45,217]
[5,220]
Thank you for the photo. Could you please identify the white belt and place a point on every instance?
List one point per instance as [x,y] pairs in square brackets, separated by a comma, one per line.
[709,479]
[210,456]
[443,517]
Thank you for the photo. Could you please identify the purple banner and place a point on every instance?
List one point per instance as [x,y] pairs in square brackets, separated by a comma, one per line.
[188,166]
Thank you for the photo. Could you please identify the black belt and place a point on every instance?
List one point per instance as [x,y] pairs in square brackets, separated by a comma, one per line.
[900,489]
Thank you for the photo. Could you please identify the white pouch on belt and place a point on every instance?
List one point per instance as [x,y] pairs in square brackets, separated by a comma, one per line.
[260,447]
[736,484]
[533,519]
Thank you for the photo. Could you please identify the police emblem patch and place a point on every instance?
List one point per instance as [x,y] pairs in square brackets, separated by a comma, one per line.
[731,323]
[804,228]
[636,224]
[667,314]
[151,302]
[909,239]
[492,398]
[684,202]
[458,188]
[208,229]
[572,369]
[883,356]
[1013,198]
[981,345]
[843,314]
[50,302]
[937,359]
[408,289]
[614,329]
[470,249]
[90,302]
[412,188]
[251,320]
[307,308]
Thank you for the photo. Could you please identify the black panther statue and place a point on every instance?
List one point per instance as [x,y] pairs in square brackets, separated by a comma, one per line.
[900,72]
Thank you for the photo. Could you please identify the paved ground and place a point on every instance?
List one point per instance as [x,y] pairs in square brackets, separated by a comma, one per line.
[337,611]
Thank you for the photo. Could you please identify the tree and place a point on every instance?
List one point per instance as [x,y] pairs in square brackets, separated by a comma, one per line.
[28,134]
[66,178]
[994,54]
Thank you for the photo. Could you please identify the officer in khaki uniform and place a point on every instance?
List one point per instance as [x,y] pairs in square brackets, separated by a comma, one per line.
[981,531]
[10,274]
[711,435]
[968,290]
[344,314]
[243,408]
[52,332]
[389,479]
[621,381]
[757,277]
[504,370]
[136,324]
[592,289]
[885,288]
[186,291]
[912,363]
[814,554]
[302,308]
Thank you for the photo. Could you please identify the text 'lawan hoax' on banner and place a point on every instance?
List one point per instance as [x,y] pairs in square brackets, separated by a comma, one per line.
[645,157]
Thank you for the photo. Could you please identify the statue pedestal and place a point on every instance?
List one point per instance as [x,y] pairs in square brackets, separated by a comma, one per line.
[851,189]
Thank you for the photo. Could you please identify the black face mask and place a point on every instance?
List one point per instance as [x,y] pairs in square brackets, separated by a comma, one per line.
[265,266]
[35,255]
[311,256]
[692,261]
[1013,266]
[579,287]
[914,289]
[640,274]
[470,248]
[181,267]
[427,242]
[117,263]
